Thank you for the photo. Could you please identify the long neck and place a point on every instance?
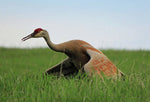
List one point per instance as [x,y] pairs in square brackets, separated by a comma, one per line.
[55,47]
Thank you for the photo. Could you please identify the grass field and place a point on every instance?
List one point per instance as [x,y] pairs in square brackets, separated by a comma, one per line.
[21,78]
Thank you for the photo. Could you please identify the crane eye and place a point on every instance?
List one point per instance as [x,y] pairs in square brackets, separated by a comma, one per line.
[37,31]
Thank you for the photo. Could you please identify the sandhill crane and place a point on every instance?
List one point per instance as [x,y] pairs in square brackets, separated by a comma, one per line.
[81,56]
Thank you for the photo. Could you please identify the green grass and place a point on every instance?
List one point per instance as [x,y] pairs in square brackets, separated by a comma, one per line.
[21,78]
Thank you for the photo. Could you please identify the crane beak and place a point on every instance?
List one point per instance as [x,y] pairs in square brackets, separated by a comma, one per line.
[27,37]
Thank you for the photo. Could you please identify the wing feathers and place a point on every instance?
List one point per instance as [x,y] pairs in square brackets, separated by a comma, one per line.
[65,67]
[99,63]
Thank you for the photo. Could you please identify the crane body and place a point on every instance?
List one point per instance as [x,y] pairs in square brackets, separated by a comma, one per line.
[81,56]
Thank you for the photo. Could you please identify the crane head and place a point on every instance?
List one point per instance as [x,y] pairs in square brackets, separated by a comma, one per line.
[39,32]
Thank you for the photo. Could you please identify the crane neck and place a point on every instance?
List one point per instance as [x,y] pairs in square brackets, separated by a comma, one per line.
[55,47]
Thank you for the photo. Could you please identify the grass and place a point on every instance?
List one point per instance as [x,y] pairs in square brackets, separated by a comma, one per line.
[21,78]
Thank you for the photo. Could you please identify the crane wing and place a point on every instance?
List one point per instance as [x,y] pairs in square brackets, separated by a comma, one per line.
[99,64]
[66,68]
